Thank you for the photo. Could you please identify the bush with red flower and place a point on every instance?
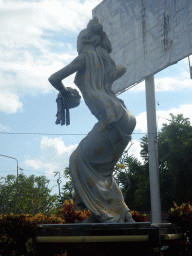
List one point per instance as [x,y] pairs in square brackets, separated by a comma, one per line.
[138,217]
[15,230]
[181,216]
[70,214]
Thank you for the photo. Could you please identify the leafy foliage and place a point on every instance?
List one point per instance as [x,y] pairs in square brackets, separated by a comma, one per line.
[70,214]
[175,150]
[15,231]
[133,179]
[138,217]
[28,195]
[175,166]
[68,188]
[175,162]
[181,216]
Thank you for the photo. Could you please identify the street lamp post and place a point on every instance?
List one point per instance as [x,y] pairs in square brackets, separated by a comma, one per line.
[14,159]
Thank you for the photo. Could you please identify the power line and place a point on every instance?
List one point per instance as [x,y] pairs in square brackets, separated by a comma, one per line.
[66,134]
[9,171]
[31,172]
[54,134]
[36,133]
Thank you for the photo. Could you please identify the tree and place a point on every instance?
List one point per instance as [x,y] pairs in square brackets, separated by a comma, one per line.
[175,162]
[68,188]
[28,195]
[133,179]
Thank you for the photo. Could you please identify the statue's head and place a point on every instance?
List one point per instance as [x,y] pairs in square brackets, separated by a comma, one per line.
[94,36]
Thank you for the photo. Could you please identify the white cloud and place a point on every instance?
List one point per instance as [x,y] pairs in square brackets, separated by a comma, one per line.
[26,20]
[183,81]
[137,88]
[36,164]
[186,60]
[23,22]
[172,84]
[55,146]
[135,149]
[141,122]
[54,155]
[29,75]
[27,57]
[10,102]
[168,82]
[163,117]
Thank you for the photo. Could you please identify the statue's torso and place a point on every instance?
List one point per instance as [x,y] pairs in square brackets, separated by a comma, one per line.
[96,92]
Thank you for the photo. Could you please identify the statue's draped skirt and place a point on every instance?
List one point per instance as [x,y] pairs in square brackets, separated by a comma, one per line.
[91,164]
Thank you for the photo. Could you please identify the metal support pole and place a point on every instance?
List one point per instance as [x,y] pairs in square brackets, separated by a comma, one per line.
[14,159]
[190,67]
[153,150]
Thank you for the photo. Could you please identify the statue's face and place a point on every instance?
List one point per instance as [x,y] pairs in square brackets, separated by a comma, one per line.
[80,44]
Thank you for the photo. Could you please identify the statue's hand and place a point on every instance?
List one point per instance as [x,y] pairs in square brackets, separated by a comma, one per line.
[65,92]
[71,97]
[74,92]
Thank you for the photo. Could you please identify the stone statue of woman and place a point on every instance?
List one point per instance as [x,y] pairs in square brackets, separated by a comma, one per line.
[91,164]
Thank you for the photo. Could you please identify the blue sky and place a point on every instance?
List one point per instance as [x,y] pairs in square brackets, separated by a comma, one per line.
[37,39]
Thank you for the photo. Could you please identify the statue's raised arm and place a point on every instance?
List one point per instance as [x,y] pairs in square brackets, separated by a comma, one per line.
[56,78]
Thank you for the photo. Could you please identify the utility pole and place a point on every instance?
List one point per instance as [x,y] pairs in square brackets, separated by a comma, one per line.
[153,150]
[14,159]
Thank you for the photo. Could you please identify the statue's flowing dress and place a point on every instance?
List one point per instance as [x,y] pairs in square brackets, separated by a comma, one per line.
[91,164]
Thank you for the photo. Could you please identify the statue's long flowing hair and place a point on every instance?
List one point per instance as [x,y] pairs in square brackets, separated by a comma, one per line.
[96,36]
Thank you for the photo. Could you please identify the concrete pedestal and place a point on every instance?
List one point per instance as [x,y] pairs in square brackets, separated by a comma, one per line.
[104,239]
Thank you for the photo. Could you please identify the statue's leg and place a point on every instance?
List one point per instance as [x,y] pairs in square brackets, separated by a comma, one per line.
[91,168]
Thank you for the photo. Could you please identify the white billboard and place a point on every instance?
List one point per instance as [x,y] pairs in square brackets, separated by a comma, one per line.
[147,35]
